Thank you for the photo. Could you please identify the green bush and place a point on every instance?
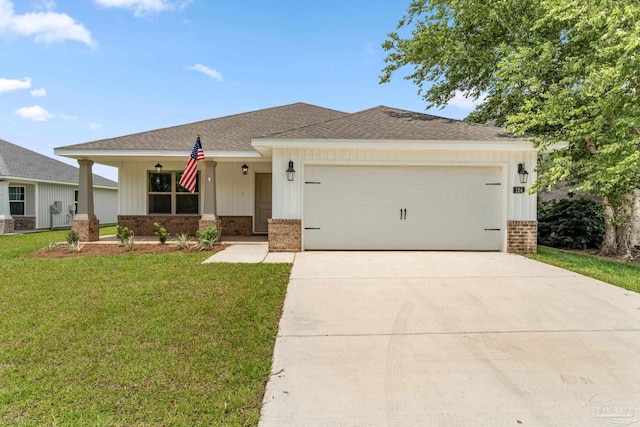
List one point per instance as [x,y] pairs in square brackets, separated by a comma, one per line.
[206,238]
[72,237]
[124,235]
[574,223]
[161,232]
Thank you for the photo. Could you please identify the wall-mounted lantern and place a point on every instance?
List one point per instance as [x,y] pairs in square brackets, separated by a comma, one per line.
[158,167]
[291,172]
[245,169]
[524,175]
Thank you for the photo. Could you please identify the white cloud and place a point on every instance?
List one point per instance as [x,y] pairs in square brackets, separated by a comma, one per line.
[68,117]
[216,75]
[9,85]
[145,7]
[47,5]
[44,27]
[95,126]
[465,103]
[35,113]
[39,92]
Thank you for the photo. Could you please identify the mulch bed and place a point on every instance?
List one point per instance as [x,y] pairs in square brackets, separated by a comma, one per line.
[60,250]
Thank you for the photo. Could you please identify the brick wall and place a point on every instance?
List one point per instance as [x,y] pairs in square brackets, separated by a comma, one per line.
[142,225]
[6,226]
[285,235]
[24,222]
[522,236]
[88,230]
[236,225]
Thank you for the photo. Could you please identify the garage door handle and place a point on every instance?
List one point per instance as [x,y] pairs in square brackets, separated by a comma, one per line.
[403,214]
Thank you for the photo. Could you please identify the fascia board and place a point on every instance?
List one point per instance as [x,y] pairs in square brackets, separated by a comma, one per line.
[77,153]
[512,145]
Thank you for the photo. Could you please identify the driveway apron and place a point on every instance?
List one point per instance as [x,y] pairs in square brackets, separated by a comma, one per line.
[451,338]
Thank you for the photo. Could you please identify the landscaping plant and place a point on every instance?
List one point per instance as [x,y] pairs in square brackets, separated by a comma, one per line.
[206,238]
[574,223]
[161,232]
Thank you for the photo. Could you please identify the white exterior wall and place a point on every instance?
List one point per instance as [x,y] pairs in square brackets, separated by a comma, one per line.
[287,196]
[234,191]
[105,204]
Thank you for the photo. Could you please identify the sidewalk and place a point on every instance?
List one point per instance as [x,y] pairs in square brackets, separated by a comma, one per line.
[251,253]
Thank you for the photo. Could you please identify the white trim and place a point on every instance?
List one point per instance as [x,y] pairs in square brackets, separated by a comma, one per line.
[78,153]
[509,145]
[23,180]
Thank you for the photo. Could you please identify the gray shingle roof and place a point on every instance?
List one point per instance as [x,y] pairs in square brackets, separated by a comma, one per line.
[19,162]
[230,133]
[386,123]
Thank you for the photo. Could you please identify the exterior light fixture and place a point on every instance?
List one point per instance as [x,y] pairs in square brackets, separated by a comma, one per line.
[158,167]
[245,169]
[524,175]
[291,172]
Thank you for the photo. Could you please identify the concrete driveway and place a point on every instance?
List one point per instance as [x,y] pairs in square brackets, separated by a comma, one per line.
[451,338]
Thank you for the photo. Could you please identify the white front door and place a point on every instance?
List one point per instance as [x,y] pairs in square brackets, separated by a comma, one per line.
[412,208]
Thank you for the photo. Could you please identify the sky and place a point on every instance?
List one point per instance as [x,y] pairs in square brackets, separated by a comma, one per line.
[74,71]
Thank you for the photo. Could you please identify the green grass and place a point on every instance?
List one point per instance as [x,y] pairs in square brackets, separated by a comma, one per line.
[133,339]
[622,274]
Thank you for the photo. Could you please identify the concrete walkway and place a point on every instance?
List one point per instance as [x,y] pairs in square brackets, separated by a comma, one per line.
[451,339]
[251,253]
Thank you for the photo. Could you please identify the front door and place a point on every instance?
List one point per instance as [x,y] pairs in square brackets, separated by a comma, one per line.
[263,202]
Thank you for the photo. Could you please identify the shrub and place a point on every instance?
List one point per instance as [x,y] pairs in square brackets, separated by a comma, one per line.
[182,240]
[123,234]
[574,223]
[161,232]
[206,238]
[72,237]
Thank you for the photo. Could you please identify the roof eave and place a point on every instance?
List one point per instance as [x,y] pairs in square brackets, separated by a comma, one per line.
[265,145]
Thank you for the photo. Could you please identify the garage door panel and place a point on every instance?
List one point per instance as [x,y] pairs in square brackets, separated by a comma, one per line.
[446,208]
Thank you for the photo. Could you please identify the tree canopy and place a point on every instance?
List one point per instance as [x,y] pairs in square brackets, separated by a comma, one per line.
[566,71]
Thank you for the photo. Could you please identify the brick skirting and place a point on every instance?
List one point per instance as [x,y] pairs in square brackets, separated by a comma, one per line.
[6,226]
[285,235]
[24,222]
[236,225]
[142,225]
[522,236]
[88,229]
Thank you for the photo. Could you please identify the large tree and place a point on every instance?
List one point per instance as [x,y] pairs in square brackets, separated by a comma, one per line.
[566,71]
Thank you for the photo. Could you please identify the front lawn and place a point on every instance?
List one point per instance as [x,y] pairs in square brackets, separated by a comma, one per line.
[622,274]
[133,339]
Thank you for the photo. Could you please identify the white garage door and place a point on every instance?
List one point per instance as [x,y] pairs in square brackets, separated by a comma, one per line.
[429,208]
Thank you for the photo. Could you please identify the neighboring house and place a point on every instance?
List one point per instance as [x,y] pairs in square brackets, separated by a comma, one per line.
[38,192]
[315,178]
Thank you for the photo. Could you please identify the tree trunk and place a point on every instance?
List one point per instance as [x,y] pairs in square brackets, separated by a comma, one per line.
[617,223]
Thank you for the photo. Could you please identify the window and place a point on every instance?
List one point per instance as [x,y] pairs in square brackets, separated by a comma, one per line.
[16,200]
[166,196]
[75,202]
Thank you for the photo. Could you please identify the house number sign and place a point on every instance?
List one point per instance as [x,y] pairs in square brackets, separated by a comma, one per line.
[518,190]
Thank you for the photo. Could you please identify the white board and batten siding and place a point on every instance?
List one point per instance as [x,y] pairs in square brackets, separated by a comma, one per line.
[234,191]
[445,195]
[105,204]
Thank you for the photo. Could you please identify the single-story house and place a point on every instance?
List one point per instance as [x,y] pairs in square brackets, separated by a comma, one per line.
[315,178]
[38,192]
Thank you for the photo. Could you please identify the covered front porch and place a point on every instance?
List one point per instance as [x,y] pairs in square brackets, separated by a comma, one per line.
[233,195]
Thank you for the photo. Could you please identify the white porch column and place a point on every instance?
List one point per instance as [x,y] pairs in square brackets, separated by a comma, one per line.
[6,220]
[85,222]
[209,210]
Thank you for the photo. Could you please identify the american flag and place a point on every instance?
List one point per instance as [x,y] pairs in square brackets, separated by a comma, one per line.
[190,173]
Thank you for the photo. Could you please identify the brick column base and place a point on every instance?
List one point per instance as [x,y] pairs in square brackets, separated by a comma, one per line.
[204,223]
[285,235]
[522,236]
[6,226]
[88,229]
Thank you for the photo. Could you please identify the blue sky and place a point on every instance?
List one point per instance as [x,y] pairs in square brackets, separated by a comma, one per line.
[80,70]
